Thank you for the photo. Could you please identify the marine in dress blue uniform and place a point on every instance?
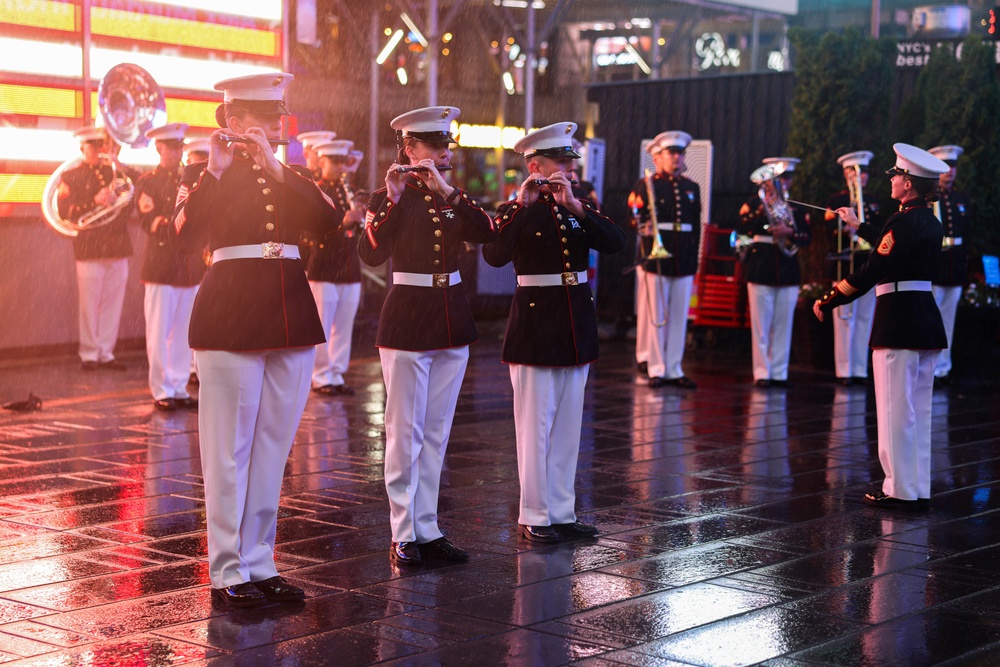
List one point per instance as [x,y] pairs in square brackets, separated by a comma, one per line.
[664,285]
[309,141]
[101,251]
[907,332]
[171,278]
[853,322]
[773,278]
[421,223]
[954,211]
[334,271]
[254,329]
[551,337]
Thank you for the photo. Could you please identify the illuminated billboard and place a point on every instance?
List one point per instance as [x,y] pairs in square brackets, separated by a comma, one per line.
[186,45]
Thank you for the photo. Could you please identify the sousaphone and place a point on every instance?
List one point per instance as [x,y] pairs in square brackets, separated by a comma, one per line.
[130,103]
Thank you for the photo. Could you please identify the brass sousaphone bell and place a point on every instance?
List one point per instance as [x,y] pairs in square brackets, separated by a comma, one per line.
[776,208]
[130,103]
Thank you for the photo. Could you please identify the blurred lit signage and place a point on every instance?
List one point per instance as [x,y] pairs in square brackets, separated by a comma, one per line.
[712,52]
[915,53]
[611,51]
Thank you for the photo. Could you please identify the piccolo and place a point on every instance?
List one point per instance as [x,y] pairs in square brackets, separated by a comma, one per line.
[238,139]
[406,169]
[545,181]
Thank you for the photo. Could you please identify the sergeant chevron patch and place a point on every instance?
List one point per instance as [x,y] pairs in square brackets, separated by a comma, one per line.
[885,247]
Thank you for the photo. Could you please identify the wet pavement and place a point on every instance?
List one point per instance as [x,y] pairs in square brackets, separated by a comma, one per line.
[732,530]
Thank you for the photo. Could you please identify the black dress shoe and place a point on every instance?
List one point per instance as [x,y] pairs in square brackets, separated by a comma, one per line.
[334,390]
[575,530]
[88,365]
[113,365]
[277,589]
[187,403]
[845,382]
[863,380]
[657,382]
[239,595]
[539,533]
[642,367]
[682,382]
[880,499]
[780,383]
[405,553]
[443,549]
[165,404]
[762,384]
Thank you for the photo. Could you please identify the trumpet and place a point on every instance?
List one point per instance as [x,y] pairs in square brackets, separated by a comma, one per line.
[240,139]
[408,168]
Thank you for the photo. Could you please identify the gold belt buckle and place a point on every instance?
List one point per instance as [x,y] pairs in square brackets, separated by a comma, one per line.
[441,279]
[948,242]
[273,250]
[569,278]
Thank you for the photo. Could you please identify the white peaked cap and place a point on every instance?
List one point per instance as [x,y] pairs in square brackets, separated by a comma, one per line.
[311,139]
[90,133]
[198,145]
[855,159]
[673,139]
[267,87]
[550,141]
[431,124]
[790,162]
[917,162]
[168,132]
[338,148]
[947,153]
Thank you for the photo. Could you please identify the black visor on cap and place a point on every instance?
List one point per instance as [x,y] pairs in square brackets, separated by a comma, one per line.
[432,137]
[950,163]
[557,152]
[262,107]
[894,171]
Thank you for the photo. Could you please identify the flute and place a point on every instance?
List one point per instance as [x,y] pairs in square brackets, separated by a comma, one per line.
[545,181]
[406,169]
[238,139]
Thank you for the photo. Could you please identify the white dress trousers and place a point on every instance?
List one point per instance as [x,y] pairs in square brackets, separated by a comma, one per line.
[337,304]
[249,410]
[548,417]
[641,317]
[904,383]
[101,284]
[772,313]
[852,328]
[421,394]
[947,299]
[670,299]
[168,316]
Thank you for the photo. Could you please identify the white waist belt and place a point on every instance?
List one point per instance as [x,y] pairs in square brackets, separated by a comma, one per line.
[950,241]
[552,279]
[426,279]
[674,227]
[763,238]
[257,251]
[903,286]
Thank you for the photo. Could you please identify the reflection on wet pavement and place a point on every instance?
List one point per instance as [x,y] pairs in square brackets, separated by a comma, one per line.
[732,532]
